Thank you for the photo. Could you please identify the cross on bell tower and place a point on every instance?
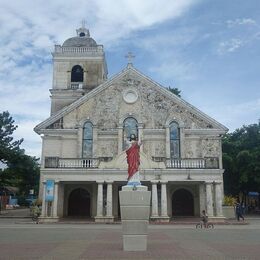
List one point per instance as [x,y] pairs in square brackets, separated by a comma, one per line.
[83,23]
[83,31]
[130,57]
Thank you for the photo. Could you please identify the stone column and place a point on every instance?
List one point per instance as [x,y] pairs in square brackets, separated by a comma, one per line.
[99,201]
[109,200]
[218,199]
[154,200]
[55,202]
[43,200]
[209,201]
[164,212]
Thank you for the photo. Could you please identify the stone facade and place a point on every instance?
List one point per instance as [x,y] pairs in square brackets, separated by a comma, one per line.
[183,185]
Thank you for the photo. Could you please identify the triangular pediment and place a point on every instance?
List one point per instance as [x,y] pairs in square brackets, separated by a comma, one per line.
[162,100]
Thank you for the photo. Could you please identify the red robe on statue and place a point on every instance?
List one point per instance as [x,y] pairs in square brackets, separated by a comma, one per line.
[133,159]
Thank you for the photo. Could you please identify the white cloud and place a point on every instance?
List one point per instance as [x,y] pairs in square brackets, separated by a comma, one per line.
[56,20]
[32,141]
[168,48]
[241,32]
[131,15]
[173,37]
[231,115]
[230,45]
[240,21]
[176,69]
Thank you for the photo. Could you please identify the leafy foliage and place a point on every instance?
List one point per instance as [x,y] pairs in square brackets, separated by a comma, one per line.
[241,160]
[22,170]
[8,147]
[175,91]
[229,201]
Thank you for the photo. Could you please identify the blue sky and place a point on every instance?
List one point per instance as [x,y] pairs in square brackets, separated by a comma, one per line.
[208,49]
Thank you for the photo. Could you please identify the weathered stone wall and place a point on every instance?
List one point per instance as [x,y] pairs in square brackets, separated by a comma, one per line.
[153,109]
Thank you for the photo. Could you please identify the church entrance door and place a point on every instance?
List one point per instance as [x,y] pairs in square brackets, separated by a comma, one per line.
[79,203]
[182,203]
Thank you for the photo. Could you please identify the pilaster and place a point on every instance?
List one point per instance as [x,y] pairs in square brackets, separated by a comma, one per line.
[80,138]
[95,140]
[164,212]
[109,214]
[99,217]
[43,214]
[167,142]
[209,201]
[218,199]
[55,202]
[182,136]
[154,214]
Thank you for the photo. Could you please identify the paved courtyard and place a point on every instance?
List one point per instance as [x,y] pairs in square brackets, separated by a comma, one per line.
[20,239]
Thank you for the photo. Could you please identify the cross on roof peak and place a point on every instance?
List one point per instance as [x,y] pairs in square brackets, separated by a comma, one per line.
[130,57]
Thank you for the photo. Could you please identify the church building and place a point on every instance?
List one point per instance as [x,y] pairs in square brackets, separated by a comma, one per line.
[83,141]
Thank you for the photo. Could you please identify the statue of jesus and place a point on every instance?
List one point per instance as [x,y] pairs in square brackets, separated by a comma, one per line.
[133,160]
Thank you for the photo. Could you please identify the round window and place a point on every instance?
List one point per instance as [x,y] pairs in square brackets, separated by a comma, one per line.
[130,96]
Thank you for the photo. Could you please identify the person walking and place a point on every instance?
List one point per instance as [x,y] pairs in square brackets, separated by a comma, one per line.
[239,212]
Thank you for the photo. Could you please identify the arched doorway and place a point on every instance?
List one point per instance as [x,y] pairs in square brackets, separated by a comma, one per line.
[79,203]
[182,203]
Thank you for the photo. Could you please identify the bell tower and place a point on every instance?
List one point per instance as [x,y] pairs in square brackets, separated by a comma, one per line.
[79,65]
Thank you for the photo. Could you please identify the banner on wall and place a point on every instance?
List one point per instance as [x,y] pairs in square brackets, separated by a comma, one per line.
[49,195]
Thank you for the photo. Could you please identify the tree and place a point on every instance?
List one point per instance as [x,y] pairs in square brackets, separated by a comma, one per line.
[241,160]
[175,91]
[22,170]
[8,147]
[26,171]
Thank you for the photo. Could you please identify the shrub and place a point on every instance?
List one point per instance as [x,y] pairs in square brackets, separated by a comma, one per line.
[229,200]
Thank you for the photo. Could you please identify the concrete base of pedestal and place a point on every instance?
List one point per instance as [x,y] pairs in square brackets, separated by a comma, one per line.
[135,211]
[135,242]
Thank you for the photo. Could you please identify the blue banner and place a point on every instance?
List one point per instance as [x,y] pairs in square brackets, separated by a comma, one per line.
[49,195]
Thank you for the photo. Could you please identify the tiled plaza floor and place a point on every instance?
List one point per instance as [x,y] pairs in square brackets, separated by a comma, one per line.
[91,241]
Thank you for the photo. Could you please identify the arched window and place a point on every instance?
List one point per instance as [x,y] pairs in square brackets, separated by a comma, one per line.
[77,74]
[87,146]
[175,140]
[130,127]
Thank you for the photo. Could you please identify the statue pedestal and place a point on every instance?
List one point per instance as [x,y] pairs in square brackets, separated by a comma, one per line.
[135,213]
